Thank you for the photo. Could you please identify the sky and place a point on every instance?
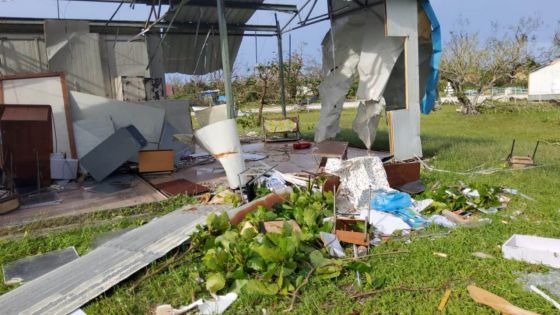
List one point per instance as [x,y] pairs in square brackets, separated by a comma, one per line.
[479,13]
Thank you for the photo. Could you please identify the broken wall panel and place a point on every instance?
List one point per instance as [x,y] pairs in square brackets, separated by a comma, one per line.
[72,49]
[404,125]
[112,153]
[148,120]
[39,89]
[22,53]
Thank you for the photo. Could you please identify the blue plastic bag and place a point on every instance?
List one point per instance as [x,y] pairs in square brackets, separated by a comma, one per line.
[391,201]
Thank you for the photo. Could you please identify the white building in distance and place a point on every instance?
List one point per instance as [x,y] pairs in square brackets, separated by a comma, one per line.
[544,83]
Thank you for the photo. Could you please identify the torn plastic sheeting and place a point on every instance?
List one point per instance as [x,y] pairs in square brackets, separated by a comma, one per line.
[333,244]
[431,88]
[222,141]
[369,53]
[366,121]
[211,115]
[385,223]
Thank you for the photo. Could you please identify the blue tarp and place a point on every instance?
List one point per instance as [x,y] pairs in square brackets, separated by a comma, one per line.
[431,87]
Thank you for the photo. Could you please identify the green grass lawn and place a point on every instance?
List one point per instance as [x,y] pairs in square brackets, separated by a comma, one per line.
[451,142]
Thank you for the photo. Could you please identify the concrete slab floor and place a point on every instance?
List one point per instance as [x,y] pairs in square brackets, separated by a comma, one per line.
[79,201]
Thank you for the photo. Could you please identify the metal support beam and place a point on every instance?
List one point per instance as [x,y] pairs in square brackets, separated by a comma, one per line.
[290,8]
[229,4]
[225,58]
[281,68]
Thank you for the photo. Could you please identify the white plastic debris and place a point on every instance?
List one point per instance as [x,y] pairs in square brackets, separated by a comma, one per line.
[333,244]
[217,306]
[533,249]
[222,141]
[443,221]
[384,223]
[421,205]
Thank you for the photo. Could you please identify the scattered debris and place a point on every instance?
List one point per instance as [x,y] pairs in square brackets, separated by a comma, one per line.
[548,280]
[181,186]
[205,307]
[444,299]
[545,296]
[521,161]
[332,243]
[278,226]
[443,255]
[496,302]
[482,255]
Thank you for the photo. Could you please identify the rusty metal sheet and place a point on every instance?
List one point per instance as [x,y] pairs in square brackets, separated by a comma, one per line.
[181,186]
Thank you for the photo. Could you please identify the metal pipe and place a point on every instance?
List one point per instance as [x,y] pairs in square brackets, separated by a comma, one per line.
[281,68]
[222,23]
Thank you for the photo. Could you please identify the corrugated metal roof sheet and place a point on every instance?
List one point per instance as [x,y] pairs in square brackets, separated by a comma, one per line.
[192,54]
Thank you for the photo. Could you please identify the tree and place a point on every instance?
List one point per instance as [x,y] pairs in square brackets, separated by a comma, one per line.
[266,74]
[469,64]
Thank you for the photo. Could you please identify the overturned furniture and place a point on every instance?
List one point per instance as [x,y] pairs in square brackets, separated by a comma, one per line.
[521,161]
[27,143]
[281,129]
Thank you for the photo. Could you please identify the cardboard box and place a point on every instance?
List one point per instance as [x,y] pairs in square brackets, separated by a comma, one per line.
[533,249]
[155,161]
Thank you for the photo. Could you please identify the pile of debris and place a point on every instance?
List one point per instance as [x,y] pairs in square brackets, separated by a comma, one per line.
[88,142]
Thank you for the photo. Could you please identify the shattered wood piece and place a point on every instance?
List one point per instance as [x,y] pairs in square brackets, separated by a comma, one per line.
[346,233]
[443,255]
[496,302]
[181,186]
[444,300]
[32,267]
[89,276]
[277,226]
